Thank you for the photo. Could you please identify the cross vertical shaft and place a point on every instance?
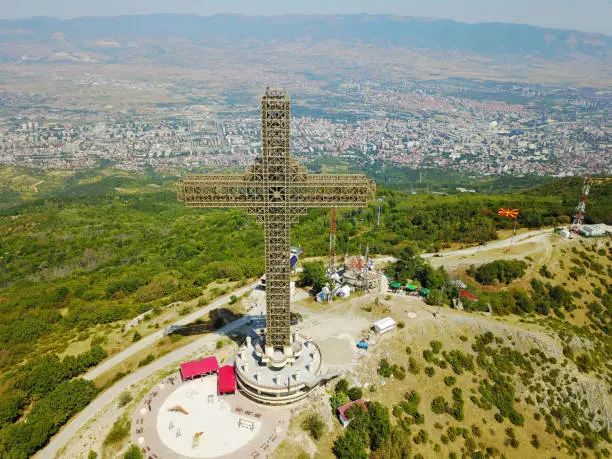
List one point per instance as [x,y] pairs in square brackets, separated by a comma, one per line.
[275,145]
[278,279]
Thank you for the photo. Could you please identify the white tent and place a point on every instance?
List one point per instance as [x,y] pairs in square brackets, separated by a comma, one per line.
[344,291]
[384,325]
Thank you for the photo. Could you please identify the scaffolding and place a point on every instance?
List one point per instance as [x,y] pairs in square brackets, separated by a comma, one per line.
[276,189]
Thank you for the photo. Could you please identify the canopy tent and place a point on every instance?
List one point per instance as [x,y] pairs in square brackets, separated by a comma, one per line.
[424,291]
[468,295]
[395,285]
[411,287]
[199,367]
[226,382]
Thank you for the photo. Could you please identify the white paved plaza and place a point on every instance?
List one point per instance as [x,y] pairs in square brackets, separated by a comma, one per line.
[221,433]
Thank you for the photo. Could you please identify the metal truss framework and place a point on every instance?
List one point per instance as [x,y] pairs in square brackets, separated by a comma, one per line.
[277,190]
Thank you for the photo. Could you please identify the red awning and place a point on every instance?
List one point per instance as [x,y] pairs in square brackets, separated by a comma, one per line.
[342,410]
[468,295]
[226,382]
[199,367]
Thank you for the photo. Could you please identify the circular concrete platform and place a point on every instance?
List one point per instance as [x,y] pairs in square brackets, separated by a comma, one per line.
[179,420]
[266,381]
[194,422]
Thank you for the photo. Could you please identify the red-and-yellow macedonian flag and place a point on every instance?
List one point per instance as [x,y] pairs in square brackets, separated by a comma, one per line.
[512,213]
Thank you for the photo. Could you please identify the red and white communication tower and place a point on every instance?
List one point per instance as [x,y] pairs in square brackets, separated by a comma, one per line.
[332,242]
[581,207]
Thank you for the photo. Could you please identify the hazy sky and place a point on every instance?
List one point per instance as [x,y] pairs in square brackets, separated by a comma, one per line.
[588,15]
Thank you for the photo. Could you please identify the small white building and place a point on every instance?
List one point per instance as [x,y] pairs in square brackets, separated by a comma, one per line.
[598,230]
[564,233]
[384,325]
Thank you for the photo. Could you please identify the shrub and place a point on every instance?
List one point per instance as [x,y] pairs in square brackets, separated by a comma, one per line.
[355,393]
[119,431]
[413,366]
[147,360]
[314,425]
[124,398]
[436,346]
[313,274]
[384,368]
[449,380]
[137,337]
[342,386]
[439,405]
[351,445]
[337,400]
[584,363]
[133,452]
[399,372]
[544,272]
[499,271]
[421,437]
[430,371]
[516,418]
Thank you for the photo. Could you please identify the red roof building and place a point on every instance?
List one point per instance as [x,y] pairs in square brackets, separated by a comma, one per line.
[200,367]
[468,295]
[226,381]
[344,408]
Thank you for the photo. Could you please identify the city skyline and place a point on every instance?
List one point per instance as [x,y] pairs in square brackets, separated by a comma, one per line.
[589,16]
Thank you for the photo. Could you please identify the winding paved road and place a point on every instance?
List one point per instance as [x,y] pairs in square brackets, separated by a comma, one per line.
[520,239]
[149,340]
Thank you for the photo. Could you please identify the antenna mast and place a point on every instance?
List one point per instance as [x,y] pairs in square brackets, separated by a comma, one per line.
[581,207]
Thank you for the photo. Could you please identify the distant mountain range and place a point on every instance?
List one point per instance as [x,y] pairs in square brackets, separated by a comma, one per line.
[102,34]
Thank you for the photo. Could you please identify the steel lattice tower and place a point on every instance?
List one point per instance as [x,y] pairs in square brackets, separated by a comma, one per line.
[277,190]
[581,207]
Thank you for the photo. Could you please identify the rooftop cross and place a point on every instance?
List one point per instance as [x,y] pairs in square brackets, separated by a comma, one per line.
[277,190]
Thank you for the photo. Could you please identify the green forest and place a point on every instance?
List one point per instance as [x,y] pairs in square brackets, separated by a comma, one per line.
[100,247]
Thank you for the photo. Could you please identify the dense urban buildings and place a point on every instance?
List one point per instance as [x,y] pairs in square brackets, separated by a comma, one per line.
[458,125]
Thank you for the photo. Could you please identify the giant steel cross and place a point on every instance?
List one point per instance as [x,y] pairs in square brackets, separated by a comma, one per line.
[277,190]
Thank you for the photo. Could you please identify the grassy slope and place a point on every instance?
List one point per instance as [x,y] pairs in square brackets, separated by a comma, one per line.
[522,333]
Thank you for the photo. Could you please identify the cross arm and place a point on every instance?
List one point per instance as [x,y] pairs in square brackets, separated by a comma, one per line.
[353,190]
[216,191]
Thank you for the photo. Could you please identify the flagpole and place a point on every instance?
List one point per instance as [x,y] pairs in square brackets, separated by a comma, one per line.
[513,233]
